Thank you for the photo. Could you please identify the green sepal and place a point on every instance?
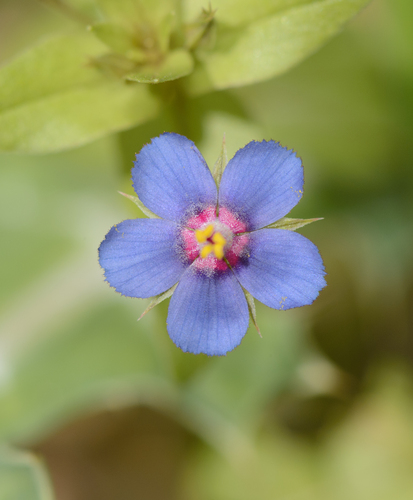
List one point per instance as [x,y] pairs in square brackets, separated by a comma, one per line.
[292,224]
[220,164]
[176,64]
[158,299]
[252,310]
[140,205]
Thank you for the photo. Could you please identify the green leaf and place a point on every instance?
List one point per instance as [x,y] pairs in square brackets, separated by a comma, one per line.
[114,36]
[140,205]
[270,46]
[53,66]
[292,224]
[69,9]
[122,11]
[176,64]
[137,12]
[238,12]
[53,97]
[22,476]
[221,163]
[75,117]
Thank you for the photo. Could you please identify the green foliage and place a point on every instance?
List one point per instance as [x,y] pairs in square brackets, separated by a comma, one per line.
[53,98]
[115,36]
[74,88]
[144,12]
[271,45]
[52,67]
[240,12]
[74,117]
[366,458]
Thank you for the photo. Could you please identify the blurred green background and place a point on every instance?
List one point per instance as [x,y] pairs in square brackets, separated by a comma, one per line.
[94,405]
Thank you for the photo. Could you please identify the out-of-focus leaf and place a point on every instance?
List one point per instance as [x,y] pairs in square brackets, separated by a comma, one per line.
[315,114]
[53,98]
[75,117]
[368,457]
[103,358]
[237,12]
[270,46]
[239,385]
[113,35]
[22,476]
[122,11]
[292,224]
[136,13]
[176,64]
[56,65]
[83,11]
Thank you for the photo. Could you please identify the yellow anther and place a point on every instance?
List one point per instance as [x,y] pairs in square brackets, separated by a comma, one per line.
[206,250]
[219,239]
[217,245]
[202,235]
[219,251]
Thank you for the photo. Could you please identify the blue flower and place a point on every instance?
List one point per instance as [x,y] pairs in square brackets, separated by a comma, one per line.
[213,242]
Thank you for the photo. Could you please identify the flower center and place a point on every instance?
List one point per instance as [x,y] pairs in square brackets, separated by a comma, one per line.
[210,241]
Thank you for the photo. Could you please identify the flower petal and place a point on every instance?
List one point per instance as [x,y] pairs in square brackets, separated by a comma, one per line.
[207,314]
[140,257]
[262,183]
[171,177]
[284,269]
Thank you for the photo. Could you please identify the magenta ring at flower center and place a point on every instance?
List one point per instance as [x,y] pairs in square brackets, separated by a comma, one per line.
[229,226]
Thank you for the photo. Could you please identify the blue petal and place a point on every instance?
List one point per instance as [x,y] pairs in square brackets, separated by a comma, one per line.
[284,269]
[140,257]
[262,183]
[171,177]
[207,314]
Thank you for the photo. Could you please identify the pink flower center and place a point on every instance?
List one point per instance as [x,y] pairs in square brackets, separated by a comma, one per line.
[214,242]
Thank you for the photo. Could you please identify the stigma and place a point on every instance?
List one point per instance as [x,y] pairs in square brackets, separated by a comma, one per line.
[210,241]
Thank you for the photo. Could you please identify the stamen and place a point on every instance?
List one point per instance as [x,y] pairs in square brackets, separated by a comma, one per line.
[219,251]
[219,239]
[203,234]
[206,250]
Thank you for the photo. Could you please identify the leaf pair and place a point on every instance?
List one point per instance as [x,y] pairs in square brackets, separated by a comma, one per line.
[73,89]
